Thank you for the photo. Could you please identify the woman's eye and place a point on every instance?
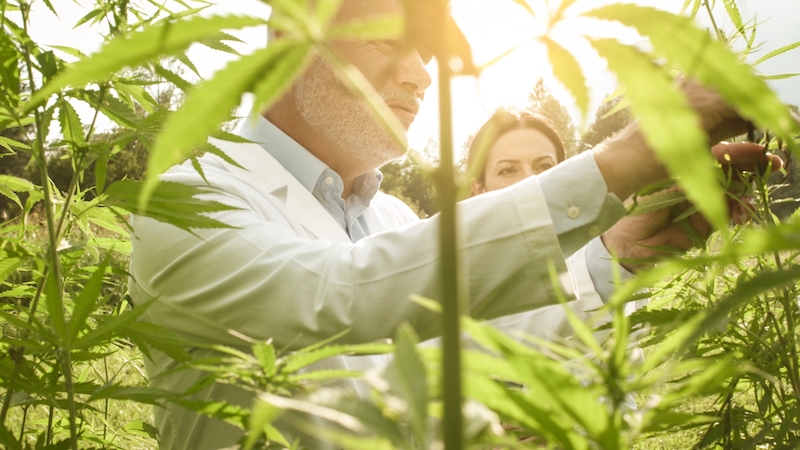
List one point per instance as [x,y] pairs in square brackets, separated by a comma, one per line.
[507,171]
[542,167]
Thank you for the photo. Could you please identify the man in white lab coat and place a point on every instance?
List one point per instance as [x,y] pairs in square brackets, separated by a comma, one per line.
[317,249]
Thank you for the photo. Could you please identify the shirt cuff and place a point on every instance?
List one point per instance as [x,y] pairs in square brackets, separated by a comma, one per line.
[603,270]
[580,205]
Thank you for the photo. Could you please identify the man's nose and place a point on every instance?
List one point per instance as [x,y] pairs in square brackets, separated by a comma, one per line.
[412,74]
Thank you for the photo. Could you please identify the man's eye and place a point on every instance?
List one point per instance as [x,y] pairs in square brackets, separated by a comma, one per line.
[386,45]
[392,45]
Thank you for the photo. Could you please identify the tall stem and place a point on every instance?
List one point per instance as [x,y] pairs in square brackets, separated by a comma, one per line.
[54,262]
[448,237]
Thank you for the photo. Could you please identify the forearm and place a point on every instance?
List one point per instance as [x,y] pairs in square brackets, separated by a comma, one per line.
[627,163]
[264,281]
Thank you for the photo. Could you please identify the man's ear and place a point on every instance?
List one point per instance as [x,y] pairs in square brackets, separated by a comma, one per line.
[476,187]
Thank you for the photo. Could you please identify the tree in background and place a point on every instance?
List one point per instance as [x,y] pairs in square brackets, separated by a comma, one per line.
[607,120]
[541,101]
[408,179]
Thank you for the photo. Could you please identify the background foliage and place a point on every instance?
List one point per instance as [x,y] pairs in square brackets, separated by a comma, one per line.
[722,368]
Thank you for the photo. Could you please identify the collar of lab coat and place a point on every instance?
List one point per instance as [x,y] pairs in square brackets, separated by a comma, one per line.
[260,169]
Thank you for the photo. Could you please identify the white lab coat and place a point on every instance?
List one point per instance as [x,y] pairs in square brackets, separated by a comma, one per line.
[289,273]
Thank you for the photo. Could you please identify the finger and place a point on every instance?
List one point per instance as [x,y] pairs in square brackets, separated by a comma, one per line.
[742,209]
[746,156]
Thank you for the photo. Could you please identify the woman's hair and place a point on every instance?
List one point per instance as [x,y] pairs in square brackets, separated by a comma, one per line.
[502,122]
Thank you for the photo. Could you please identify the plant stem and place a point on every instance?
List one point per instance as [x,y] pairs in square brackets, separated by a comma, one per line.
[49,438]
[451,303]
[105,407]
[714,22]
[22,425]
[792,363]
[6,404]
[52,254]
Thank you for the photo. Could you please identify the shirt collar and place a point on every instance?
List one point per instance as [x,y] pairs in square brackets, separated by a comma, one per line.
[304,166]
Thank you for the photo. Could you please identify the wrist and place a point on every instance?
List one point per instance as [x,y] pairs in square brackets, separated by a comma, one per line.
[627,163]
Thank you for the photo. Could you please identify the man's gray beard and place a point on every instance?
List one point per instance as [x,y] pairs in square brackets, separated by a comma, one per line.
[325,103]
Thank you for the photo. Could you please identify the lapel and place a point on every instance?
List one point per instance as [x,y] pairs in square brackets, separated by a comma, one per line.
[264,171]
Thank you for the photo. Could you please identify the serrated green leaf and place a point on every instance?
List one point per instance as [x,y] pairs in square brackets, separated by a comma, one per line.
[172,77]
[149,335]
[55,305]
[777,52]
[734,14]
[567,70]
[11,195]
[71,126]
[110,106]
[48,65]
[142,429]
[411,379]
[265,353]
[656,202]
[127,51]
[266,72]
[302,358]
[9,66]
[780,76]
[670,127]
[209,147]
[7,439]
[86,302]
[89,16]
[16,184]
[261,415]
[173,203]
[70,51]
[510,403]
[110,327]
[8,143]
[694,51]
[133,90]
[370,416]
[8,265]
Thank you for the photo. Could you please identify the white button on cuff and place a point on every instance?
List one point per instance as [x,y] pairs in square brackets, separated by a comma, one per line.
[573,212]
[329,180]
[594,231]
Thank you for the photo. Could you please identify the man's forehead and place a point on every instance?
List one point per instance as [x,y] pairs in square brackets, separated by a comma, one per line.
[360,9]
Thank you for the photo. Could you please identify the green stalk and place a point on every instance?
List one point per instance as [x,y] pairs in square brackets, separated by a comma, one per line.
[54,261]
[49,434]
[451,303]
[22,425]
[789,340]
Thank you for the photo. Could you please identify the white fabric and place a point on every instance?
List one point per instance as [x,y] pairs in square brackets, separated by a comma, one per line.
[288,272]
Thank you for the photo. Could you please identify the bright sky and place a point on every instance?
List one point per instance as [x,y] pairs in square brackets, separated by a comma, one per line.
[493,27]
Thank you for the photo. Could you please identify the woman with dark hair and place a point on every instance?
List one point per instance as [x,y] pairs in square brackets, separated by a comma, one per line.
[511,146]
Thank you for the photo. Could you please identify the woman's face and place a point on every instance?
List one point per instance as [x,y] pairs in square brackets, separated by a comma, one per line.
[516,155]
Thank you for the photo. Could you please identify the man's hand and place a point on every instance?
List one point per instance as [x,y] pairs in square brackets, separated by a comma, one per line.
[628,164]
[645,236]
